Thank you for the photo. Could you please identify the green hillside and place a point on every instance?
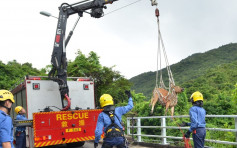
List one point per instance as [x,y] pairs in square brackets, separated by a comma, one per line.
[218,84]
[188,68]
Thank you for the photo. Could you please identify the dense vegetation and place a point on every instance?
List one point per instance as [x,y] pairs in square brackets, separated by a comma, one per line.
[188,68]
[13,71]
[214,73]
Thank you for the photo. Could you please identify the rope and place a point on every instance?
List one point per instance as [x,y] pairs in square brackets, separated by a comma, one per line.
[158,53]
[170,75]
[167,62]
[171,80]
[162,85]
[187,142]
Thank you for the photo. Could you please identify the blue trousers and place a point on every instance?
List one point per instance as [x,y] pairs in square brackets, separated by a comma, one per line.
[113,141]
[20,140]
[199,137]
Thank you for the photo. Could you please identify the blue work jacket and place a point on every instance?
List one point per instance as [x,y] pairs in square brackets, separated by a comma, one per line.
[104,120]
[197,117]
[6,129]
[21,128]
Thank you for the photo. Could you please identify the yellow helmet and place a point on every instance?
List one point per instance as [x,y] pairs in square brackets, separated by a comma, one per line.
[6,95]
[106,100]
[17,109]
[196,96]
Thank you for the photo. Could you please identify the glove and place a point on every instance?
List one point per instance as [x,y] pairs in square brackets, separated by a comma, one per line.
[128,93]
[183,124]
[187,134]
[95,145]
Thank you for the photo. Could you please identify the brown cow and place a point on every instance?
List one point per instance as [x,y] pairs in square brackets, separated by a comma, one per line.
[166,98]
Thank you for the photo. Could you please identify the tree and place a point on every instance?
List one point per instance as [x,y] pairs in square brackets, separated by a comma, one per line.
[106,79]
[13,71]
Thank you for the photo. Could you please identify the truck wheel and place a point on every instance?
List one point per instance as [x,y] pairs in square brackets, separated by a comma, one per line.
[75,144]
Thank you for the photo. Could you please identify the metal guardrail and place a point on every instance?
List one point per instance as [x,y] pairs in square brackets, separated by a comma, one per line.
[163,128]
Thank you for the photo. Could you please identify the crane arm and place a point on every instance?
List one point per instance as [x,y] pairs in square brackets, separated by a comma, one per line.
[58,73]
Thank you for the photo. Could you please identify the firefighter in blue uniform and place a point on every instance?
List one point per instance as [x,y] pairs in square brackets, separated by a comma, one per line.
[110,121]
[20,130]
[197,116]
[6,126]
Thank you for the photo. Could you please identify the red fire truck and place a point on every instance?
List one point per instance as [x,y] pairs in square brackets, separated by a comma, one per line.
[47,124]
[57,115]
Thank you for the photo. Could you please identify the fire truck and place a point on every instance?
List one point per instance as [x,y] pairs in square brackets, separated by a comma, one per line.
[60,109]
[48,124]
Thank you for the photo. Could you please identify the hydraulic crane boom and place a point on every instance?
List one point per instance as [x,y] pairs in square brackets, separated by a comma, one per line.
[58,73]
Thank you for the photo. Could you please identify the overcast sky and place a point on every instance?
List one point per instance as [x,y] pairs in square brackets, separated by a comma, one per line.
[126,38]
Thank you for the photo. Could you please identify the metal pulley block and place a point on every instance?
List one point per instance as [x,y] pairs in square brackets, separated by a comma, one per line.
[97,12]
[154,3]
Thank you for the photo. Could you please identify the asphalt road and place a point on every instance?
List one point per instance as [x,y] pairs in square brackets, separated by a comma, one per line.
[86,145]
[91,145]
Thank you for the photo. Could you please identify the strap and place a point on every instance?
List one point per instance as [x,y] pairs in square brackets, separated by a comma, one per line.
[112,112]
[109,113]
[118,119]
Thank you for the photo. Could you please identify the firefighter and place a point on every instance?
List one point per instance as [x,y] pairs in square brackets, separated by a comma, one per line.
[110,121]
[20,130]
[197,116]
[6,126]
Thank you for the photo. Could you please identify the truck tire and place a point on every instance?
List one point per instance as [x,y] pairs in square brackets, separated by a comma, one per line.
[75,144]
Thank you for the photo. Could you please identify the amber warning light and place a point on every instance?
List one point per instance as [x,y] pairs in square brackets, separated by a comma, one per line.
[42,138]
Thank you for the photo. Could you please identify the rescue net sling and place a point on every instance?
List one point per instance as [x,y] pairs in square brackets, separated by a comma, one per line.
[164,99]
[160,50]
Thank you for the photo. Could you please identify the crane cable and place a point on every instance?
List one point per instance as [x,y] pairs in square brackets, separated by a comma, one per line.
[122,7]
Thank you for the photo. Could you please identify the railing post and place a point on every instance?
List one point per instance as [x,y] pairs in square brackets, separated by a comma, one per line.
[236,129]
[128,127]
[139,138]
[132,129]
[163,130]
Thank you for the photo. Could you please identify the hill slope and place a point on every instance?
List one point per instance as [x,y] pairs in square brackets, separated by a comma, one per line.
[188,68]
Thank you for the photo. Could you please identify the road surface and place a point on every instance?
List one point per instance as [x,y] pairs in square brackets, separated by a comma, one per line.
[91,145]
